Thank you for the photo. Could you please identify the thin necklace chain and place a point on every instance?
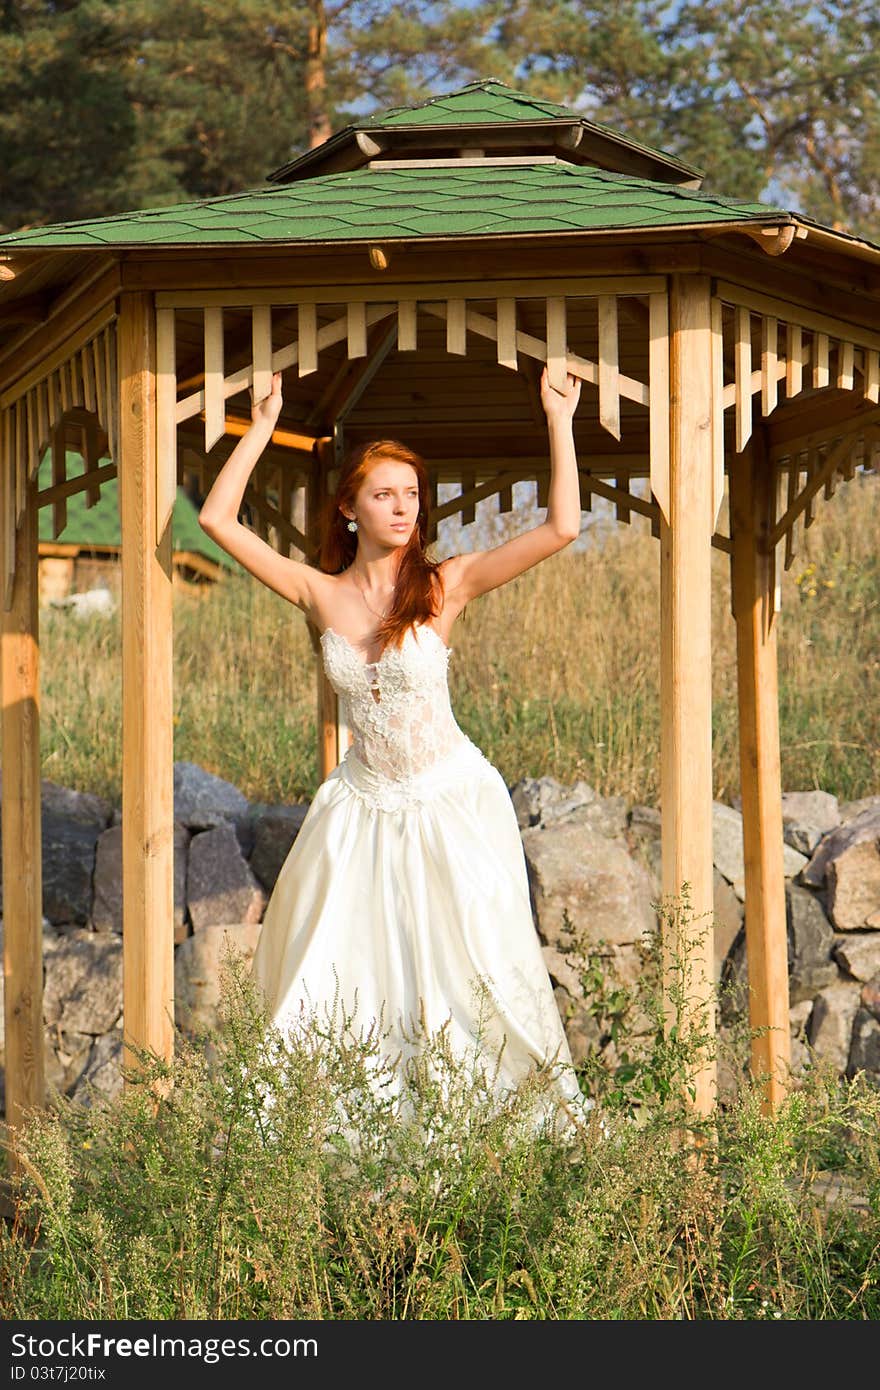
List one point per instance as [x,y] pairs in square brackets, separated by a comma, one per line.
[364,597]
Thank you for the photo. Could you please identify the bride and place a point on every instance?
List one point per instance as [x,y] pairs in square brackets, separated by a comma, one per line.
[404,899]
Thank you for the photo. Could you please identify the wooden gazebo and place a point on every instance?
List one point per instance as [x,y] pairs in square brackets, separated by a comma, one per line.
[409,276]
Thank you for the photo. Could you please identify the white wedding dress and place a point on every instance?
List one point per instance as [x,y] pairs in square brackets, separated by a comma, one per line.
[405,896]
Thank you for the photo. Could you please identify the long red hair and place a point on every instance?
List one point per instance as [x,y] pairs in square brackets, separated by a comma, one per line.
[419,580]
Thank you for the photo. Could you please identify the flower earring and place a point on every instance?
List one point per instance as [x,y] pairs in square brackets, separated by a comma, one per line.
[352,525]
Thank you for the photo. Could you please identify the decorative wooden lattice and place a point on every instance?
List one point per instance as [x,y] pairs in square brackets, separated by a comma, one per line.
[72,396]
[351,319]
[800,352]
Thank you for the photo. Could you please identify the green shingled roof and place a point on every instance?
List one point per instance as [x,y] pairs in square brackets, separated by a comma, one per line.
[478,102]
[373,204]
[98,525]
[479,113]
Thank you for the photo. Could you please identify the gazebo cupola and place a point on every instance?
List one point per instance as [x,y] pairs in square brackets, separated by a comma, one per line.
[410,277]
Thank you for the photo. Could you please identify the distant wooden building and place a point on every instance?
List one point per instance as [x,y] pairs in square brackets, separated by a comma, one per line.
[88,550]
[411,275]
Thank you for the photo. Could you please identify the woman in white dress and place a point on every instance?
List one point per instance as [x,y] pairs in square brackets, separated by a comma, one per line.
[404,900]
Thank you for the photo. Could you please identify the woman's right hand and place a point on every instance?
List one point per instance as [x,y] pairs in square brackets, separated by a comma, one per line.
[268,410]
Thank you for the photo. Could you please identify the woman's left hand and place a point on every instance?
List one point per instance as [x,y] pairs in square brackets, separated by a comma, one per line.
[560,405]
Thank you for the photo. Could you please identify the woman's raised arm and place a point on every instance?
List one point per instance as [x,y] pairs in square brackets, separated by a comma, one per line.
[218,517]
[481,570]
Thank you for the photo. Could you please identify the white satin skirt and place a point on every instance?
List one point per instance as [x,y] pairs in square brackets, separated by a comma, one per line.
[406,904]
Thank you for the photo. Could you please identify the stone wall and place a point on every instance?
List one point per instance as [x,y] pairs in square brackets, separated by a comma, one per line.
[594,870]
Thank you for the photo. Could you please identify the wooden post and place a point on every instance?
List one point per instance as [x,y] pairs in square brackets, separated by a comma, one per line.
[686,664]
[326,701]
[22,840]
[147,734]
[752,496]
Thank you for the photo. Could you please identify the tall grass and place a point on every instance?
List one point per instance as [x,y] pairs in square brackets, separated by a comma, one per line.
[264,1178]
[557,672]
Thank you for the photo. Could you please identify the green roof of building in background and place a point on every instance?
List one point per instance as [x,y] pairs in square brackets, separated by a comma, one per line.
[373,204]
[99,526]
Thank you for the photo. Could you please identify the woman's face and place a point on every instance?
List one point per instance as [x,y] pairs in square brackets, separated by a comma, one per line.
[387,504]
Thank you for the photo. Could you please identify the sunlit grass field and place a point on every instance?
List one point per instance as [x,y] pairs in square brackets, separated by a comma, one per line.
[555,673]
[286,1180]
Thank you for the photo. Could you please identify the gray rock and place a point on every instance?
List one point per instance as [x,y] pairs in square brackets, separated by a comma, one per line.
[799,1019]
[831,1024]
[731,1068]
[734,983]
[870,996]
[607,815]
[71,1052]
[83,989]
[810,943]
[864,826]
[544,799]
[197,971]
[728,920]
[581,1029]
[727,844]
[728,853]
[644,842]
[103,1074]
[564,969]
[859,955]
[586,887]
[646,820]
[854,886]
[220,886]
[806,817]
[68,859]
[800,1056]
[107,900]
[850,810]
[274,834]
[532,795]
[202,801]
[87,807]
[864,1053]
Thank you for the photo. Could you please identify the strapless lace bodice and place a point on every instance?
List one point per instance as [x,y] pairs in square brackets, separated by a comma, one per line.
[398,707]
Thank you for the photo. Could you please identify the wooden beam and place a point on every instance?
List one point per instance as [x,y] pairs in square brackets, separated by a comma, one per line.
[481,287]
[166,423]
[57,356]
[686,674]
[214,377]
[769,364]
[751,506]
[147,733]
[790,312]
[658,376]
[717,410]
[743,358]
[834,459]
[22,841]
[327,702]
[90,297]
[609,366]
[261,350]
[407,328]
[358,377]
